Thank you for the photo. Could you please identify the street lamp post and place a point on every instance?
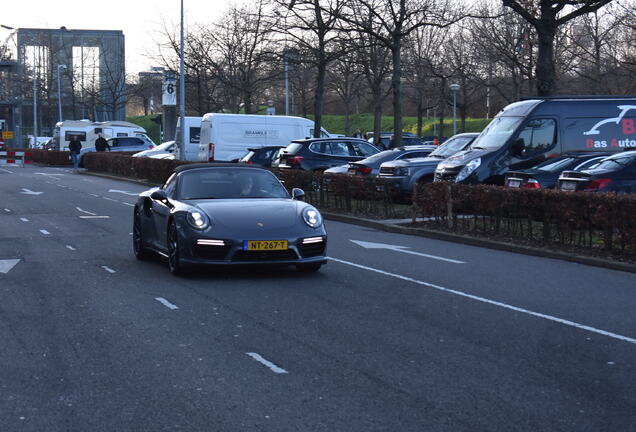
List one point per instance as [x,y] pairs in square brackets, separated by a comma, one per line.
[59,90]
[35,107]
[181,95]
[454,88]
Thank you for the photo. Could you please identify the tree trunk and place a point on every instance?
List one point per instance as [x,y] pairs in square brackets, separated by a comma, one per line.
[546,75]
[347,125]
[377,118]
[397,91]
[320,92]
[442,108]
[420,112]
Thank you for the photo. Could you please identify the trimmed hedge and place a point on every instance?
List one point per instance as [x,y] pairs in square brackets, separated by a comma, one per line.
[152,170]
[48,157]
[591,221]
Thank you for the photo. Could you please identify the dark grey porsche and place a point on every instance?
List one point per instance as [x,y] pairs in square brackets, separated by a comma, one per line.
[227,214]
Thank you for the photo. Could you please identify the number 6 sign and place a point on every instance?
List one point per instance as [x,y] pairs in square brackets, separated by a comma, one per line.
[169,89]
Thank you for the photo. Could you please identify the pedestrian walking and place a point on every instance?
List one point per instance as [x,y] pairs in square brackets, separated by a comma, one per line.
[357,134]
[101,144]
[74,147]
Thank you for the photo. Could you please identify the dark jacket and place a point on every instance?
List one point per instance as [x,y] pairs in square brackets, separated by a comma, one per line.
[101,144]
[75,146]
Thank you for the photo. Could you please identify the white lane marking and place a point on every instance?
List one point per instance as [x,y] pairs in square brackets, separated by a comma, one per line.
[166,303]
[24,219]
[492,302]
[267,363]
[45,232]
[92,194]
[6,170]
[94,217]
[123,192]
[47,174]
[30,192]
[69,247]
[7,265]
[7,210]
[403,249]
[128,204]
[84,211]
[108,269]
[109,199]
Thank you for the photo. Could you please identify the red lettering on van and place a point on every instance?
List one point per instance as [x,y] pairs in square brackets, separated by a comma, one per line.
[589,143]
[628,126]
[614,142]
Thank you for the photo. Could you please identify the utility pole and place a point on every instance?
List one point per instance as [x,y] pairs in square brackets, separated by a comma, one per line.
[181,96]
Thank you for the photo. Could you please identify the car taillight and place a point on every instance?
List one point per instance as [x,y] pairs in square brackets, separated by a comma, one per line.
[151,147]
[295,160]
[597,184]
[211,152]
[249,162]
[364,170]
[531,184]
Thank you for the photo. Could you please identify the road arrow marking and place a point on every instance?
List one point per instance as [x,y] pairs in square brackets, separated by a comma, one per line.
[29,192]
[403,249]
[84,211]
[123,192]
[6,265]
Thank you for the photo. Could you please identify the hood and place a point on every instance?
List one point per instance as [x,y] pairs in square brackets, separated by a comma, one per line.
[244,214]
[415,162]
[463,157]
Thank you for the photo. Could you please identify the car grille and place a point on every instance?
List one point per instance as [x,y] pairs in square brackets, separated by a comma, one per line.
[386,170]
[274,255]
[449,177]
[311,249]
[215,253]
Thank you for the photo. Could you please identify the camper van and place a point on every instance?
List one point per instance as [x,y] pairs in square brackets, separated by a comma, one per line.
[88,132]
[526,133]
[227,137]
[194,151]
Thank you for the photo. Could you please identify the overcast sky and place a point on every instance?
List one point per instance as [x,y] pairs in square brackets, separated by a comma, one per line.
[140,20]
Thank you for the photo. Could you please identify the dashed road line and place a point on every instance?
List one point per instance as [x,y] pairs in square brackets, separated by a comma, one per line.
[269,364]
[108,269]
[166,303]
[69,247]
[94,217]
[84,211]
[45,232]
[109,199]
[24,219]
[6,170]
[7,210]
[491,302]
[128,204]
[92,194]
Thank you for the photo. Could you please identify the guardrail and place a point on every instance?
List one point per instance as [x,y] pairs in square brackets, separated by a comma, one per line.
[15,157]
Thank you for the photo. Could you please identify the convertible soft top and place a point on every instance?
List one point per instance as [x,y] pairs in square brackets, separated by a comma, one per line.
[182,168]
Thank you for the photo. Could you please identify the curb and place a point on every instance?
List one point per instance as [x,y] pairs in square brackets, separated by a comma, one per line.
[440,235]
[480,242]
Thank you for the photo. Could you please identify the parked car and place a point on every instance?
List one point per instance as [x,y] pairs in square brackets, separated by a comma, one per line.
[405,174]
[261,156]
[616,173]
[319,154]
[386,139]
[371,165]
[526,133]
[340,169]
[227,214]
[546,174]
[123,144]
[163,149]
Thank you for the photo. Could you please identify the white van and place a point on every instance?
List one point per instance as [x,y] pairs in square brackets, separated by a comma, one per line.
[88,131]
[226,137]
[194,151]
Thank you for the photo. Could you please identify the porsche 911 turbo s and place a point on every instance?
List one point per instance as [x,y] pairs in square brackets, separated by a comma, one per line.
[223,214]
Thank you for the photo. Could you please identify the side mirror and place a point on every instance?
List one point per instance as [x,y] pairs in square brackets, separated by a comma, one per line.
[159,195]
[518,146]
[298,194]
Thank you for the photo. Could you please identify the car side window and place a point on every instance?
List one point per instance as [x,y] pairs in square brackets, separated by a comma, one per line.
[113,142]
[537,135]
[321,147]
[412,155]
[170,185]
[340,148]
[363,149]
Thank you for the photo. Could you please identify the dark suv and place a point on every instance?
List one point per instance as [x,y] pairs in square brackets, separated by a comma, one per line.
[319,154]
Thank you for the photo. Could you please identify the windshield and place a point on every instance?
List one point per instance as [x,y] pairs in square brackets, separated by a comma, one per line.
[210,183]
[451,147]
[293,148]
[165,146]
[497,133]
[554,165]
[615,162]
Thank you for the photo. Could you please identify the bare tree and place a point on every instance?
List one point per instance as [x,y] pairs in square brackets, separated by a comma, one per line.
[546,19]
[345,79]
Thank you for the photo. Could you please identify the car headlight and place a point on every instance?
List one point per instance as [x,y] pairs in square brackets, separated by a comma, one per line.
[312,217]
[197,219]
[401,171]
[468,169]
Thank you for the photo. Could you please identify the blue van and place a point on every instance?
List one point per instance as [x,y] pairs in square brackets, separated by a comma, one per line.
[526,133]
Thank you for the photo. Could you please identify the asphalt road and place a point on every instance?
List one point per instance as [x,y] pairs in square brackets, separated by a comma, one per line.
[423,336]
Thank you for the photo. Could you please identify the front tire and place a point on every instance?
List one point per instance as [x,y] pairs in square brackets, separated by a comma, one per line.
[308,268]
[174,261]
[141,253]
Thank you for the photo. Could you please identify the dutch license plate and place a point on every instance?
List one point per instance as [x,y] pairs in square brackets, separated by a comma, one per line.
[568,185]
[514,183]
[264,245]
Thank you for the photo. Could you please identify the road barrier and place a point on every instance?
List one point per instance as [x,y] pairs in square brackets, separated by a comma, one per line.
[15,157]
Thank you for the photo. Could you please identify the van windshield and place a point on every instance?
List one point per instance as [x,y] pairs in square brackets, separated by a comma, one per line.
[496,133]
